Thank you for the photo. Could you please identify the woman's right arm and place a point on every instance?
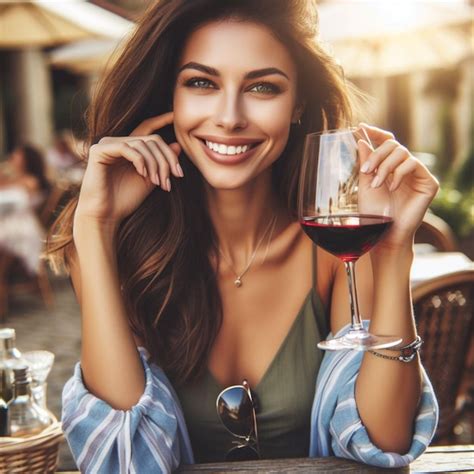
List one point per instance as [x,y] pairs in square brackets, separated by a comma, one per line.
[111,190]
[110,362]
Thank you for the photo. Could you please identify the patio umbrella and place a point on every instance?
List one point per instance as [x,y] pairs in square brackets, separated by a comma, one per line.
[52,22]
[383,38]
[84,57]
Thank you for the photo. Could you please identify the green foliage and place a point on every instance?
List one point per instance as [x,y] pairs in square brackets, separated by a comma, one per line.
[456,208]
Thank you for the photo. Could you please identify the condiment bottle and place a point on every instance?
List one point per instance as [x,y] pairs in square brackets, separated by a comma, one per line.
[3,413]
[8,352]
[25,416]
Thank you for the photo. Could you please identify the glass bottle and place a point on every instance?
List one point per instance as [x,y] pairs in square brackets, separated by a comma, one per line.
[8,352]
[25,416]
[3,410]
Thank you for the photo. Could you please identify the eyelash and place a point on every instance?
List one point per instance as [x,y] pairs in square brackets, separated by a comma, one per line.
[194,83]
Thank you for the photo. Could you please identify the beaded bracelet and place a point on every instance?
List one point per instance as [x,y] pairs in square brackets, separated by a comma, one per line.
[407,353]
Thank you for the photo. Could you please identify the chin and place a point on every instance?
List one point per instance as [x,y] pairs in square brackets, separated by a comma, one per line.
[225,181]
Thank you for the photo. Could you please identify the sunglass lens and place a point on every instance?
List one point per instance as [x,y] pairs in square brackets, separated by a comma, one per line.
[242,453]
[235,409]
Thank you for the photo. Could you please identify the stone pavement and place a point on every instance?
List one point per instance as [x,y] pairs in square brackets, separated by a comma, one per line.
[58,331]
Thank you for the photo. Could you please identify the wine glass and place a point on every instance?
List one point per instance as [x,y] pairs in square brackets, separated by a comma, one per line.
[340,211]
[40,363]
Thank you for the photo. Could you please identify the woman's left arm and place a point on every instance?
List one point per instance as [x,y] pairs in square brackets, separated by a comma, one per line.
[387,392]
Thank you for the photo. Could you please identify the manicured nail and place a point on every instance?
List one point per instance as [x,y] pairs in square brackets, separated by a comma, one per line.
[168,184]
[156,179]
[375,182]
[179,170]
[365,167]
[144,172]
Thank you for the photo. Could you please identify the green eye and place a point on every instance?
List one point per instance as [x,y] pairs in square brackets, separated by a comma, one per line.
[199,83]
[265,88]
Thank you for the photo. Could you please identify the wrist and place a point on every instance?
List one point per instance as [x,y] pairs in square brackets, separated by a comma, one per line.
[86,228]
[397,254]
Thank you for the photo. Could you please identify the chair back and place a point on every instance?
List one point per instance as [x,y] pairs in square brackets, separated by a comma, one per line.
[46,212]
[435,231]
[444,308]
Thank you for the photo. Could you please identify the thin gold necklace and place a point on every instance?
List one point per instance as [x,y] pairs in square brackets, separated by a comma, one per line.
[238,278]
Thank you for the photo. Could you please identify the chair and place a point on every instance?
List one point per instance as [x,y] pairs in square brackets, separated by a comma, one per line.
[435,231]
[444,311]
[52,201]
[14,278]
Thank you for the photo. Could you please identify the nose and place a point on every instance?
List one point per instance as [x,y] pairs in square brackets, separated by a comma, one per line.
[230,114]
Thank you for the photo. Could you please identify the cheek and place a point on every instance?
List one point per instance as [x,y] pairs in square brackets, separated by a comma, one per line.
[188,113]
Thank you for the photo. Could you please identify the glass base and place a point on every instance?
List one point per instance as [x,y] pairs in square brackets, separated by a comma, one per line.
[359,340]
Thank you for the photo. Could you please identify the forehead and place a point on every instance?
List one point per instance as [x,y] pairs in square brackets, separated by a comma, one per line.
[240,46]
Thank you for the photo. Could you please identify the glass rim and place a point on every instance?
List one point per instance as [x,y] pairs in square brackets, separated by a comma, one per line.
[333,131]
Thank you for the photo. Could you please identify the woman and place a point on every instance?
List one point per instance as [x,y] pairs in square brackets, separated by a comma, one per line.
[26,170]
[192,250]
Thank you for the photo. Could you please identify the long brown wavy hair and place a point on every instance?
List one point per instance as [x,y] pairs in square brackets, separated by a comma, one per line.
[168,283]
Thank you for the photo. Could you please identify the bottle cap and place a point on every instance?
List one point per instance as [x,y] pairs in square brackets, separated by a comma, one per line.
[7,339]
[7,333]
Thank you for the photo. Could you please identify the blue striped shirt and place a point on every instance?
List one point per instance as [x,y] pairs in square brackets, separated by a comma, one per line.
[152,436]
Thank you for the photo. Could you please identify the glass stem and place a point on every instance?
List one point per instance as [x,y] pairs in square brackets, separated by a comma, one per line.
[356,321]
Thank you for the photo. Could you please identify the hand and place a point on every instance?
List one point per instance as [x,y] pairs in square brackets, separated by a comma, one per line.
[411,185]
[122,171]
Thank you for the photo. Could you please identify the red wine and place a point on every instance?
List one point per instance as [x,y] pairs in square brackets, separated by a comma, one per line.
[348,236]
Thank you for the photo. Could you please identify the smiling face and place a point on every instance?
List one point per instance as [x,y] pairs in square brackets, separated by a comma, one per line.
[234,100]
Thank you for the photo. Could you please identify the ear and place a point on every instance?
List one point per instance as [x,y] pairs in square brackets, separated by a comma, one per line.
[297,113]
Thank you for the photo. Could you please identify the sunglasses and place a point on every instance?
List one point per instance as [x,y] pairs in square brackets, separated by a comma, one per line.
[236,409]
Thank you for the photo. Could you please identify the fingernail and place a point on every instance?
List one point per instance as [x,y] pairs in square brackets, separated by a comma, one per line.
[375,182]
[365,167]
[144,172]
[156,179]
[168,184]
[179,170]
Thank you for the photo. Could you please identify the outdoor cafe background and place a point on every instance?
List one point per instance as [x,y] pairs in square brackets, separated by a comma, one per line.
[413,58]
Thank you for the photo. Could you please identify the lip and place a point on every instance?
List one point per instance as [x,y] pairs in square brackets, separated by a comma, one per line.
[228,159]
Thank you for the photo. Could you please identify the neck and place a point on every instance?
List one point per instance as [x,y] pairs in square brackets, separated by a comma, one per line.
[241,216]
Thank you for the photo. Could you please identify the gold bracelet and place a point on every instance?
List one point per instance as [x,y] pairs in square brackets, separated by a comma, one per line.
[407,353]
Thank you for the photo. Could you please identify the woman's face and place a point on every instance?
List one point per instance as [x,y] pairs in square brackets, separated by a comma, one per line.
[234,100]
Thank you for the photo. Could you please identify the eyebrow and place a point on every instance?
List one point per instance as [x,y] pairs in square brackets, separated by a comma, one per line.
[250,75]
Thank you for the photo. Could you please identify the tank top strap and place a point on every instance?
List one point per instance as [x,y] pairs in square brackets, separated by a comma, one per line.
[315,264]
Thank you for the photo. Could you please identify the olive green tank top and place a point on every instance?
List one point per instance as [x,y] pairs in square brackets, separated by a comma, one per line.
[284,394]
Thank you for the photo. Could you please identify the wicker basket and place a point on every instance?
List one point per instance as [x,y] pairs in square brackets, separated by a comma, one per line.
[37,454]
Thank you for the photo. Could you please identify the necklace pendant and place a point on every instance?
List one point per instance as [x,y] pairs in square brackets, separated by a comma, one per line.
[238,282]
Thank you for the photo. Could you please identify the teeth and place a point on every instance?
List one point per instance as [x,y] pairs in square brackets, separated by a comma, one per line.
[227,150]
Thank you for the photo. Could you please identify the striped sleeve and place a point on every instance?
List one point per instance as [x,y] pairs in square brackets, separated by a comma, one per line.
[150,437]
[336,425]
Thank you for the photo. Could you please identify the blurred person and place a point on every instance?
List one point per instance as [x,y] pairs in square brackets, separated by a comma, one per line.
[196,139]
[25,169]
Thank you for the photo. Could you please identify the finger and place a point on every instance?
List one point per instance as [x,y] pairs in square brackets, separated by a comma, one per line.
[378,155]
[148,126]
[407,167]
[150,161]
[388,166]
[170,156]
[163,166]
[109,152]
[376,135]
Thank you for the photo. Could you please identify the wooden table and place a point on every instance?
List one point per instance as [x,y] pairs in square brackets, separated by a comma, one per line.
[435,459]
